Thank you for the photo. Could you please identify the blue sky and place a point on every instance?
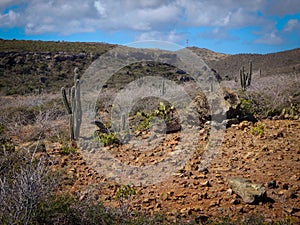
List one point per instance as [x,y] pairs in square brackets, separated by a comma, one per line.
[228,26]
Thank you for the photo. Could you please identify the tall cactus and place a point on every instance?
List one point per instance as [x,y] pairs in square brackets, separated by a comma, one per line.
[73,106]
[246,77]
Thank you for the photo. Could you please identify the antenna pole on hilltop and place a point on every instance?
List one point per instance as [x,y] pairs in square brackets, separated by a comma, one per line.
[187,42]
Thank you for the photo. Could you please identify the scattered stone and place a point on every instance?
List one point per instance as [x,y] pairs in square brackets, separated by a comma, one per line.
[205,184]
[272,184]
[235,201]
[297,214]
[244,125]
[164,196]
[230,191]
[249,192]
[285,186]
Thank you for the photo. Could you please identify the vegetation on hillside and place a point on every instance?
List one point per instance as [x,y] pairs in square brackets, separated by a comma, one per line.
[33,116]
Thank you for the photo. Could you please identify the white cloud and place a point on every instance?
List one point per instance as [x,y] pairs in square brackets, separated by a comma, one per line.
[172,36]
[9,19]
[100,8]
[282,7]
[220,13]
[292,24]
[216,34]
[270,39]
[148,19]
[162,15]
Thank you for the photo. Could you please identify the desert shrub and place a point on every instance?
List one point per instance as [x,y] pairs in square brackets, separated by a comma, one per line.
[6,144]
[165,112]
[67,149]
[144,121]
[65,209]
[107,138]
[22,186]
[56,209]
[258,129]
[124,193]
[247,106]
[292,111]
[31,118]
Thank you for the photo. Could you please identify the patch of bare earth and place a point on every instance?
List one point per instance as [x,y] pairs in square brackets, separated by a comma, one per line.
[272,159]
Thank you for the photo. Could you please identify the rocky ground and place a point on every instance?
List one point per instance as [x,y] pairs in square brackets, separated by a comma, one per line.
[270,158]
[266,154]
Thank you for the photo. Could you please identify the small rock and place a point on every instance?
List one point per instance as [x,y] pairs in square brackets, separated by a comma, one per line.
[158,206]
[235,202]
[230,191]
[248,191]
[272,184]
[186,211]
[244,124]
[164,196]
[205,184]
[285,186]
[146,200]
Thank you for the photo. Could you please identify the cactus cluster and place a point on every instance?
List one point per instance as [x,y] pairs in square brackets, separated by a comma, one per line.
[73,106]
[246,77]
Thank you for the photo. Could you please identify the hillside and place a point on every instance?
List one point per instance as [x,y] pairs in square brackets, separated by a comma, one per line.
[37,66]
[280,63]
[165,161]
[208,55]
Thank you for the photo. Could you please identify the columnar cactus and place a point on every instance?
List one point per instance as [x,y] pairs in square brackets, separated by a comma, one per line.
[73,106]
[246,77]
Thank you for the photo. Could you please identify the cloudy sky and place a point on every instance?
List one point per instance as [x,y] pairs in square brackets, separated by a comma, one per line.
[229,26]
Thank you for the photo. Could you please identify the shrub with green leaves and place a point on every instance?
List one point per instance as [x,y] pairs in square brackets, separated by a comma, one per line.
[125,192]
[67,150]
[108,138]
[144,123]
[164,112]
[258,129]
[247,107]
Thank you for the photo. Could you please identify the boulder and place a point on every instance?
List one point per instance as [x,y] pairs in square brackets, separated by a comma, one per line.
[232,103]
[249,192]
[226,111]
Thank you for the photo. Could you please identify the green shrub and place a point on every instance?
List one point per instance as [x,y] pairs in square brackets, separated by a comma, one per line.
[247,107]
[144,123]
[124,192]
[165,112]
[67,150]
[108,138]
[162,112]
[258,129]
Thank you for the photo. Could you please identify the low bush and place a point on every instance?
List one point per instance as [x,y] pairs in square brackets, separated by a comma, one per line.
[67,149]
[107,138]
[258,129]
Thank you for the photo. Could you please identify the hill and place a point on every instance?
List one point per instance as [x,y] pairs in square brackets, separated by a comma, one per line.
[45,177]
[34,66]
[228,66]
